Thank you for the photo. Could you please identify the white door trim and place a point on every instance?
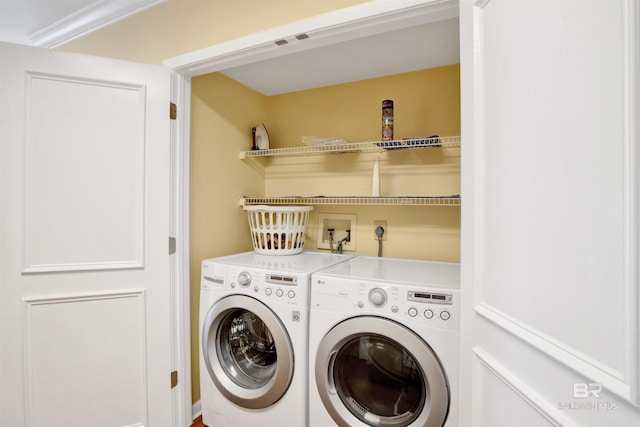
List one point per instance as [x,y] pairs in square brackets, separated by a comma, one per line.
[180,209]
[363,20]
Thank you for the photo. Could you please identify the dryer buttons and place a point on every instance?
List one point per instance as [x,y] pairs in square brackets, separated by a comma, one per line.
[428,313]
[413,312]
[445,315]
[268,291]
[291,294]
[279,292]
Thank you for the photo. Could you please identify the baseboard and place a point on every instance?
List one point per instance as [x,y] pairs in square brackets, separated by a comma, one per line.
[196,410]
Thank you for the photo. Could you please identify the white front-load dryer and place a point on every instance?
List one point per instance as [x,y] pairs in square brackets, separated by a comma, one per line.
[254,313]
[384,344]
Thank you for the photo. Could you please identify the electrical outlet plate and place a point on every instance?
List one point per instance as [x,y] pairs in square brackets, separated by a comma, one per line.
[340,224]
[383,224]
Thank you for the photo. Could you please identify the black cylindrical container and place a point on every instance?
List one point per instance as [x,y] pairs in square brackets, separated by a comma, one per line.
[387,120]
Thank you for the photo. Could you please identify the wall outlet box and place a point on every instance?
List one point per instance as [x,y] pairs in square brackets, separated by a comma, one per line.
[339,223]
[380,223]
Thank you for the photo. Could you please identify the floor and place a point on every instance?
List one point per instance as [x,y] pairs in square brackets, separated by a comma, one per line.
[197,422]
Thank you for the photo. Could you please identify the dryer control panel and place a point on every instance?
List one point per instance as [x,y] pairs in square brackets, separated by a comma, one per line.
[432,306]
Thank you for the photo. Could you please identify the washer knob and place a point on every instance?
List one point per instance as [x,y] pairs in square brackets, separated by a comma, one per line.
[377,297]
[244,279]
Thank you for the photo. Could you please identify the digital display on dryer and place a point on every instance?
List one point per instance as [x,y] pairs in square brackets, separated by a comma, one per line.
[281,280]
[429,297]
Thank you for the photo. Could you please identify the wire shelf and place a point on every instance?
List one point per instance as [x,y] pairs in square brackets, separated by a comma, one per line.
[357,147]
[354,200]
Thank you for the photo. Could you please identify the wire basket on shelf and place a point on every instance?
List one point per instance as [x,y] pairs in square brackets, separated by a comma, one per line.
[278,230]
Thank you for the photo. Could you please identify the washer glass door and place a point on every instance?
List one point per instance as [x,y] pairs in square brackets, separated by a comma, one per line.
[247,351]
[374,371]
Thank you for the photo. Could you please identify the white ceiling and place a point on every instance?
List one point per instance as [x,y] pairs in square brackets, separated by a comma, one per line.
[409,49]
[50,23]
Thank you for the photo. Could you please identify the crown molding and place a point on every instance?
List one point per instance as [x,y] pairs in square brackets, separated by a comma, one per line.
[90,18]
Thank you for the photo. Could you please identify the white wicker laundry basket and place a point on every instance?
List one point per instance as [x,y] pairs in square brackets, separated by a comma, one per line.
[278,230]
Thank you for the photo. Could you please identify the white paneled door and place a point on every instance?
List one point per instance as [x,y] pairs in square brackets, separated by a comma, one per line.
[551,219]
[85,279]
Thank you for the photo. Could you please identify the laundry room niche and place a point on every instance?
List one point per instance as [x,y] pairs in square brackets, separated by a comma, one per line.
[427,102]
[413,60]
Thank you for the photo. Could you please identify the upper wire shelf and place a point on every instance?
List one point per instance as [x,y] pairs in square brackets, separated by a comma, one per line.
[357,147]
[354,200]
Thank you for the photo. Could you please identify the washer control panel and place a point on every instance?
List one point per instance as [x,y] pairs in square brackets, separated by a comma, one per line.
[433,306]
[284,288]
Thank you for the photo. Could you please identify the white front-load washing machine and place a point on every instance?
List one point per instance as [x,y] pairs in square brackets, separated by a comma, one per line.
[254,313]
[383,344]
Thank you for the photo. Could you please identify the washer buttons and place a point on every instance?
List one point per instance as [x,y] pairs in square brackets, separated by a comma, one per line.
[244,279]
[445,315]
[428,313]
[279,292]
[394,309]
[413,312]
[377,297]
[360,304]
[291,294]
[268,291]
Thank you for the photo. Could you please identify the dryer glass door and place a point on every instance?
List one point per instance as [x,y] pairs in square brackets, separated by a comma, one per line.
[378,372]
[247,352]
[375,375]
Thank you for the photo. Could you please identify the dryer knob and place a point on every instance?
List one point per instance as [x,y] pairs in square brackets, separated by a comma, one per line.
[377,297]
[244,279]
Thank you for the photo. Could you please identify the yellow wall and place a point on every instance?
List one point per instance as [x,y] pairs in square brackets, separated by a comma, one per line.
[223,111]
[427,102]
[180,26]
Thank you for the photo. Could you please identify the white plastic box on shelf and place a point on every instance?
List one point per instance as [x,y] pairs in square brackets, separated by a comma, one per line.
[278,230]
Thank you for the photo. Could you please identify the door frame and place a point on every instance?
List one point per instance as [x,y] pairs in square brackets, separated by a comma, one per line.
[180,93]
[327,29]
